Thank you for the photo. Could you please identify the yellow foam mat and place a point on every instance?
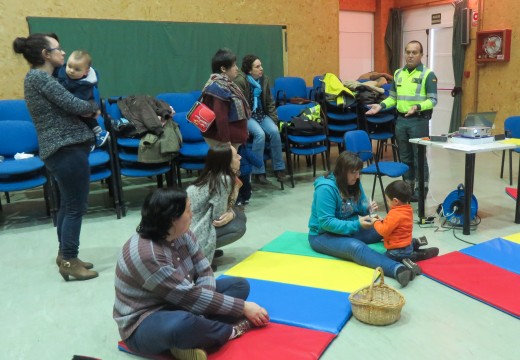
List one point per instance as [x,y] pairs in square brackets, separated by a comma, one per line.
[320,273]
[514,238]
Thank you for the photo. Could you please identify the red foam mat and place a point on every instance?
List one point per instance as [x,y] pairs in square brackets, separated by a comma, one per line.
[273,342]
[483,281]
[512,192]
[276,342]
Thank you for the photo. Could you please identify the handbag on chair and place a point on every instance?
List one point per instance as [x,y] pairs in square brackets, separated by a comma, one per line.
[201,116]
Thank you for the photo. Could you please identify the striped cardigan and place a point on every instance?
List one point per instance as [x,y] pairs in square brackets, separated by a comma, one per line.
[151,276]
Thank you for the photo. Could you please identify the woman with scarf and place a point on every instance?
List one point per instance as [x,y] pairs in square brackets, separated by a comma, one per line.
[227,101]
[262,124]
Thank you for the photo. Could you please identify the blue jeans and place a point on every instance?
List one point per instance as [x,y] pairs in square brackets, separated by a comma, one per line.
[354,248]
[400,253]
[406,129]
[259,131]
[70,168]
[172,327]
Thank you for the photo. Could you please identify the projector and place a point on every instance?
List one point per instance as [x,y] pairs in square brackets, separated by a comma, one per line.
[475,131]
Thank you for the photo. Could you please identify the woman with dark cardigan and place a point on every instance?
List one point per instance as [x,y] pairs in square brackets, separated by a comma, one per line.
[226,100]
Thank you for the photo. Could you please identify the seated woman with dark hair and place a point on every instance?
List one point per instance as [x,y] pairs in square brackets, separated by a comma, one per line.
[167,298]
[216,222]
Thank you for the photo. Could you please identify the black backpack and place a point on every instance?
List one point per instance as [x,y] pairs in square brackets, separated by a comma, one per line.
[305,127]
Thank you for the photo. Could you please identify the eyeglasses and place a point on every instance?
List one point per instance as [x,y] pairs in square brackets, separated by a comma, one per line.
[56,48]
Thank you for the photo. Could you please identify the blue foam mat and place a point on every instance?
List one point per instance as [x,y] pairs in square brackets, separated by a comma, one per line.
[499,252]
[302,306]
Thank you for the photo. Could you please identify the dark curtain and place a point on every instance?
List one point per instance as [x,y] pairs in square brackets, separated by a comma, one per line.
[393,38]
[458,57]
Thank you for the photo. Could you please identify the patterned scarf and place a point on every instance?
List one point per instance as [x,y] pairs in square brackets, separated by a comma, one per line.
[221,87]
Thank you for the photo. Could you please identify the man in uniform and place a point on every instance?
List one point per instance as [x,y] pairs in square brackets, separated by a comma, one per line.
[414,94]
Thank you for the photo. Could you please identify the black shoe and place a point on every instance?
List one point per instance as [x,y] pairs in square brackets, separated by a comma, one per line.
[218,253]
[262,180]
[424,254]
[280,175]
[416,269]
[213,267]
[404,275]
[418,242]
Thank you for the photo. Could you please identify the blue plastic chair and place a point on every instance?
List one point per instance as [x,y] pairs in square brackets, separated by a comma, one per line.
[512,130]
[308,146]
[14,110]
[19,136]
[381,128]
[288,87]
[194,149]
[358,142]
[181,102]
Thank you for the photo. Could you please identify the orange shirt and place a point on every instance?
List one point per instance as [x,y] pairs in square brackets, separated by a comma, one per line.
[396,228]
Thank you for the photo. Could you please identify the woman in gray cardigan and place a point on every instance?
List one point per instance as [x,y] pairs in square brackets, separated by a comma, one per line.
[215,222]
[64,141]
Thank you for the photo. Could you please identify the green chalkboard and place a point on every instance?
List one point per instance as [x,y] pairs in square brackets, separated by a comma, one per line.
[151,57]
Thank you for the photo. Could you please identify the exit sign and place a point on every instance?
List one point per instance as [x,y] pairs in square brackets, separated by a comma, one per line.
[436,19]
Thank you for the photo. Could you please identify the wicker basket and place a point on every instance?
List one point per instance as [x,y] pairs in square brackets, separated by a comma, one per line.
[377,304]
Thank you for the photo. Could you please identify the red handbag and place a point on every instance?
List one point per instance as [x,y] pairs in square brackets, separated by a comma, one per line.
[201,116]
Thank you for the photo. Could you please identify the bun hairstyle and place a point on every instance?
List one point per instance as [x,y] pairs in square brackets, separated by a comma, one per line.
[31,47]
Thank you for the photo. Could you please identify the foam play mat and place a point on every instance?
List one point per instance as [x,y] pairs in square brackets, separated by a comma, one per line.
[302,306]
[481,280]
[276,342]
[511,192]
[304,271]
[297,243]
[273,342]
[514,238]
[499,252]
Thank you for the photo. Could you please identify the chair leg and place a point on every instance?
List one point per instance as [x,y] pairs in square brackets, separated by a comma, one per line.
[313,159]
[383,192]
[7,197]
[510,167]
[502,165]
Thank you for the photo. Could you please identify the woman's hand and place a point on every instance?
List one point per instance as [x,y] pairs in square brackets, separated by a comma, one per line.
[224,219]
[256,314]
[92,115]
[366,221]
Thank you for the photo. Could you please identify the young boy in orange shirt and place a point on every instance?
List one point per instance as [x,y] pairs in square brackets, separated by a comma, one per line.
[396,228]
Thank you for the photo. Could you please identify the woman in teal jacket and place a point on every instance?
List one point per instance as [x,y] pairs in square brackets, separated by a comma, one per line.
[340,224]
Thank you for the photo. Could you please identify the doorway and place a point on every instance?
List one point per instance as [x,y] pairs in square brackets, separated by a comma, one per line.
[437,45]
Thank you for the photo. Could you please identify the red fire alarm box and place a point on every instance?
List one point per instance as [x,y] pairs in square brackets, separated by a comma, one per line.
[493,45]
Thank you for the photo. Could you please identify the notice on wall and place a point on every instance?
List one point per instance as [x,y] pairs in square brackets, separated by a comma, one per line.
[436,19]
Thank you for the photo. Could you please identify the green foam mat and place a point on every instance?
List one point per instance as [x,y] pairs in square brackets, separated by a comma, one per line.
[297,243]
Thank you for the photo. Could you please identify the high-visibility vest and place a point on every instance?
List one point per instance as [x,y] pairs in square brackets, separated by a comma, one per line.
[411,89]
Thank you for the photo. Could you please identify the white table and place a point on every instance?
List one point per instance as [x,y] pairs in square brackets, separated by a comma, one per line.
[469,173]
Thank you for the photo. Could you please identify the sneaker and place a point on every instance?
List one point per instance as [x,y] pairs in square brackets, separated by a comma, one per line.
[101,138]
[241,327]
[280,175]
[404,275]
[218,253]
[246,202]
[424,254]
[418,242]
[416,269]
[189,354]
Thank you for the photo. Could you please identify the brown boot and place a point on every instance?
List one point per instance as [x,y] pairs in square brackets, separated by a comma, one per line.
[86,265]
[73,267]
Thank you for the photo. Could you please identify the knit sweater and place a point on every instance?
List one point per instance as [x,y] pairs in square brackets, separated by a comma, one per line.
[55,113]
[396,228]
[153,275]
[207,207]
